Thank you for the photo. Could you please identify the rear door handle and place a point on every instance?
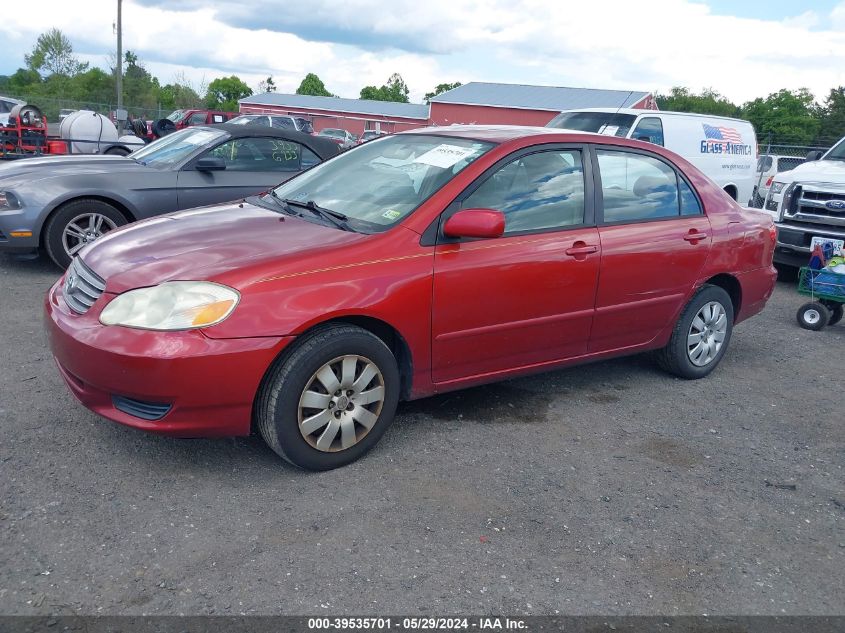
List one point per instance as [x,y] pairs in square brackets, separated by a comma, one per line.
[695,236]
[580,248]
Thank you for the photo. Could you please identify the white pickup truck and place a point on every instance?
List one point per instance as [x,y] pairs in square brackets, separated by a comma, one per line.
[808,206]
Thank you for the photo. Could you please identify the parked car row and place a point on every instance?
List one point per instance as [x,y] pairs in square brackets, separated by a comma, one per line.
[62,203]
[432,260]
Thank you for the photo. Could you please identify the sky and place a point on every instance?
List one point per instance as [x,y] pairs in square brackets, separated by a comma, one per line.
[741,48]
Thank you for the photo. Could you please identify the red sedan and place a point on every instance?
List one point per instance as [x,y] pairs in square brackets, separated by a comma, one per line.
[419,263]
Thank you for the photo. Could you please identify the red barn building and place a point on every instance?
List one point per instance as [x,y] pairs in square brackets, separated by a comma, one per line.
[353,115]
[513,104]
[475,102]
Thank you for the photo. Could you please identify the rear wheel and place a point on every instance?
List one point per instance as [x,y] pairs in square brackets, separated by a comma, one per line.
[76,224]
[836,311]
[331,399]
[813,316]
[701,335]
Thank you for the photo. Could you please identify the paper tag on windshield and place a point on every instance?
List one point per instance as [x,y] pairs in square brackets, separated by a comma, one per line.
[391,214]
[445,155]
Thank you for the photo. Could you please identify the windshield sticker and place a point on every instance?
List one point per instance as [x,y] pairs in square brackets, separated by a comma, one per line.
[391,214]
[609,130]
[444,156]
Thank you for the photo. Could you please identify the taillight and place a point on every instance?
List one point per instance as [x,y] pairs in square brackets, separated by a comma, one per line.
[769,181]
[773,234]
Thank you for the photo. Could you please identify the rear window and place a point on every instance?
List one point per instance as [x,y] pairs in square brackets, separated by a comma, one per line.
[609,123]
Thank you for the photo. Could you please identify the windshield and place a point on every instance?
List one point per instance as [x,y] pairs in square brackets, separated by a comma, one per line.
[174,148]
[609,123]
[378,184]
[177,115]
[837,152]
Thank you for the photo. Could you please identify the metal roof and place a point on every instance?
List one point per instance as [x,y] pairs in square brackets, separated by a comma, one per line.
[551,98]
[355,106]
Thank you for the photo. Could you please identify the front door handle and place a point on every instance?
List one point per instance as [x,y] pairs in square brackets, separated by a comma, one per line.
[695,236]
[579,250]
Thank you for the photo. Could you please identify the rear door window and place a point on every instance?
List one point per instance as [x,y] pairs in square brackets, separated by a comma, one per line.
[637,187]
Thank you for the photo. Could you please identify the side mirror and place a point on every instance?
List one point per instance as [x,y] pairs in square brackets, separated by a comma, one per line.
[485,223]
[210,163]
[816,154]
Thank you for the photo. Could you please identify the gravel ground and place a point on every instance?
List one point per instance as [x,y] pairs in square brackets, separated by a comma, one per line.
[607,489]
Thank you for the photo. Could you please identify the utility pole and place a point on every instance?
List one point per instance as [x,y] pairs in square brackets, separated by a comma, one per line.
[119,68]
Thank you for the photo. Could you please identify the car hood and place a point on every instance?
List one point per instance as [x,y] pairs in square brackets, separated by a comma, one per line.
[30,169]
[817,171]
[222,243]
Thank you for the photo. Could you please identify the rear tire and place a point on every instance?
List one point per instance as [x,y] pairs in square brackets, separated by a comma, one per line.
[813,316]
[318,412]
[701,335]
[836,311]
[75,222]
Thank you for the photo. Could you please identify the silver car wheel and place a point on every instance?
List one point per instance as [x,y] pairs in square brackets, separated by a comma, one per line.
[707,334]
[341,402]
[84,229]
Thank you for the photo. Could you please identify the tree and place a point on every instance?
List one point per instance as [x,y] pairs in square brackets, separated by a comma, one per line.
[708,102]
[394,90]
[441,88]
[140,88]
[225,92]
[267,85]
[313,85]
[53,55]
[788,116]
[832,116]
[177,96]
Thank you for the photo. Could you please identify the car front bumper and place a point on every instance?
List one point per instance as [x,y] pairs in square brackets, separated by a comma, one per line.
[16,221]
[181,384]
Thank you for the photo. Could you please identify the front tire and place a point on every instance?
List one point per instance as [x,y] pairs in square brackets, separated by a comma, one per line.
[76,224]
[813,316]
[329,400]
[701,335]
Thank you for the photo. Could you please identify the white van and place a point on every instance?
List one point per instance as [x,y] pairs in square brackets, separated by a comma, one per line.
[724,149]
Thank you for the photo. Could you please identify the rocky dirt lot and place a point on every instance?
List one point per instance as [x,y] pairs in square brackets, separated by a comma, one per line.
[606,489]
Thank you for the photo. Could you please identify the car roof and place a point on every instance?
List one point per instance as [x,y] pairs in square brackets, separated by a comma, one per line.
[499,133]
[638,111]
[323,148]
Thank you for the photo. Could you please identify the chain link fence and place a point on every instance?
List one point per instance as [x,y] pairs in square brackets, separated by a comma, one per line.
[54,108]
[779,155]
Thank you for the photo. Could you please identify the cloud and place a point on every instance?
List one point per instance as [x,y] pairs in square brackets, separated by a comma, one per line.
[598,44]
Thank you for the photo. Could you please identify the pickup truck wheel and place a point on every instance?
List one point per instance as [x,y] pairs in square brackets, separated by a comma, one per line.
[701,335]
[813,316]
[329,400]
[77,223]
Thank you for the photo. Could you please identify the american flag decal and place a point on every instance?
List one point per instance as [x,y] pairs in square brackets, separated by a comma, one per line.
[719,134]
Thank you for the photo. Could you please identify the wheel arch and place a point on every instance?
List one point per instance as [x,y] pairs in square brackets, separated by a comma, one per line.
[731,285]
[122,207]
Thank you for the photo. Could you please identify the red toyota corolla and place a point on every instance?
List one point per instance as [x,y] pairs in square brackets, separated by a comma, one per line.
[415,264]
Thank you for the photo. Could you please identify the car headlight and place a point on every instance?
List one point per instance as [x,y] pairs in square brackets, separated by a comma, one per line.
[173,305]
[777,187]
[8,200]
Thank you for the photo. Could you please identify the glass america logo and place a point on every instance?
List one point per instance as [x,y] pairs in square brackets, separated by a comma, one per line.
[723,140]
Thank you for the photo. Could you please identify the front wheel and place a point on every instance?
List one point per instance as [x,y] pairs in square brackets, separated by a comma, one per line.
[77,224]
[813,316]
[330,400]
[701,335]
